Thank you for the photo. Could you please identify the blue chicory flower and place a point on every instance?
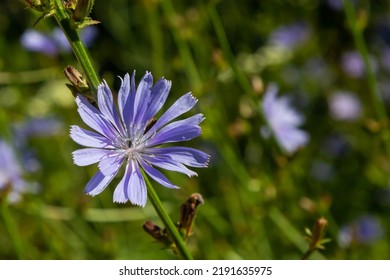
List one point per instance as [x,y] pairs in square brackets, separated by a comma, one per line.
[282,121]
[56,42]
[134,137]
[11,173]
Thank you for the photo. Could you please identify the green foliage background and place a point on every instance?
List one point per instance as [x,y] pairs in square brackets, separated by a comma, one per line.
[258,201]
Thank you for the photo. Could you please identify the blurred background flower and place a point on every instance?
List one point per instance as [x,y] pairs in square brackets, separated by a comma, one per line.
[290,36]
[55,42]
[12,182]
[345,106]
[364,230]
[283,121]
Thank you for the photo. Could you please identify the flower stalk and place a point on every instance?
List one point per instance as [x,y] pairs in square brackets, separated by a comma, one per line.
[181,247]
[78,48]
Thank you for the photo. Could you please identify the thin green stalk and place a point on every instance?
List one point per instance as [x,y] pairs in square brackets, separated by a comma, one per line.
[184,50]
[291,233]
[173,232]
[223,41]
[78,48]
[11,228]
[361,45]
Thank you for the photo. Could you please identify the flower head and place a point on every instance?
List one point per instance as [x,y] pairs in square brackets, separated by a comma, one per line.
[282,121]
[134,137]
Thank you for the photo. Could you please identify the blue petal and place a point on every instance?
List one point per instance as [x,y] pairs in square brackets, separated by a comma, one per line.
[188,156]
[159,95]
[89,138]
[94,118]
[175,134]
[124,105]
[167,163]
[111,163]
[181,106]
[291,138]
[157,175]
[107,107]
[132,186]
[194,120]
[88,156]
[142,99]
[98,183]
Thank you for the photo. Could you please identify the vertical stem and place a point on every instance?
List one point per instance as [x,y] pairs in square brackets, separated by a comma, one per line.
[11,227]
[371,79]
[76,44]
[173,232]
[223,41]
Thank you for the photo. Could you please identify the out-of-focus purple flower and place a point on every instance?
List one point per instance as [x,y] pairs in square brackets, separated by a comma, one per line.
[37,127]
[11,172]
[336,4]
[283,121]
[34,127]
[353,64]
[345,106]
[290,36]
[134,136]
[56,42]
[365,230]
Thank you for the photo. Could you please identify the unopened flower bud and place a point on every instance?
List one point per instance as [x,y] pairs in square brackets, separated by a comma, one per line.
[82,10]
[318,233]
[78,85]
[188,213]
[157,233]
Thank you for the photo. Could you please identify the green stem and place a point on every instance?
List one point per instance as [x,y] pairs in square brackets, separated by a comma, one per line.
[173,232]
[12,229]
[361,45]
[223,41]
[307,254]
[79,50]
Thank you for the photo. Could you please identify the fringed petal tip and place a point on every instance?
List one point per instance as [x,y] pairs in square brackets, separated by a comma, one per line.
[120,201]
[206,164]
[124,201]
[89,193]
[193,97]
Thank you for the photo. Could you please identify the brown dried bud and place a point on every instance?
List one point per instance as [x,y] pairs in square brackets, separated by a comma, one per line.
[188,213]
[157,233]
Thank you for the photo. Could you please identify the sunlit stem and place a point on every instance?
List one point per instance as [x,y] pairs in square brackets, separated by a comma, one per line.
[172,230]
[78,48]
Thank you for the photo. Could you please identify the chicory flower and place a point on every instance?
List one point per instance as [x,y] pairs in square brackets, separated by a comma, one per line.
[282,121]
[132,136]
